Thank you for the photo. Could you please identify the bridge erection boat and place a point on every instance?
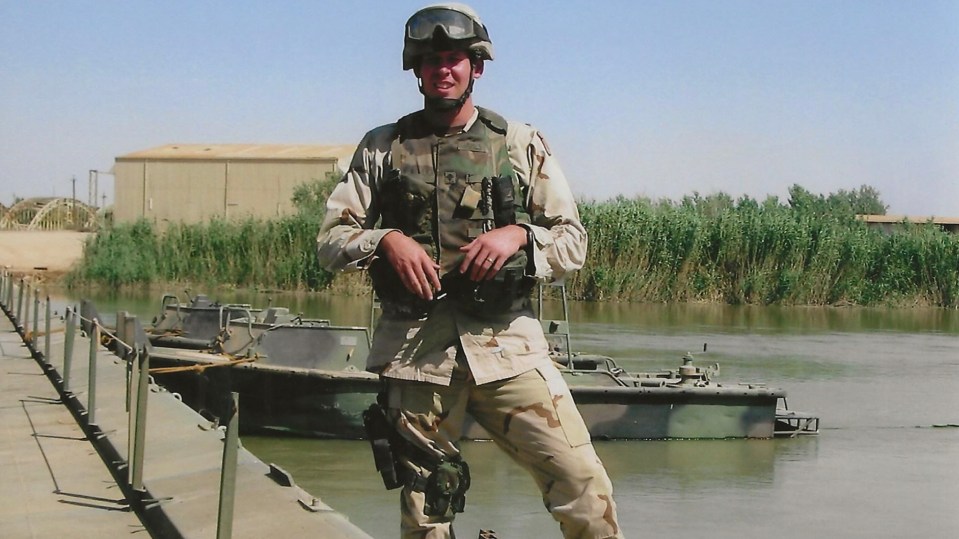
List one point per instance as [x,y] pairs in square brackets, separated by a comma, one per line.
[306,377]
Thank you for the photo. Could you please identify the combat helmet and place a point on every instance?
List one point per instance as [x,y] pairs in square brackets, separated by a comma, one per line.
[445,26]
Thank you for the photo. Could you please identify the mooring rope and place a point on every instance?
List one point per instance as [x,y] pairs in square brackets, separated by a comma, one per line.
[199,368]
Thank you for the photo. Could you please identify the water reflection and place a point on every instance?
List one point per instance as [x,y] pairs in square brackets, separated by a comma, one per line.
[754,319]
[645,474]
[502,495]
[690,462]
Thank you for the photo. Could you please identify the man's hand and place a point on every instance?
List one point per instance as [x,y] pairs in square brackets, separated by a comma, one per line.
[416,270]
[486,254]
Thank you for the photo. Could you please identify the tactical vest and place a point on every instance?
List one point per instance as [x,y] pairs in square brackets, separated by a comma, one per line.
[444,191]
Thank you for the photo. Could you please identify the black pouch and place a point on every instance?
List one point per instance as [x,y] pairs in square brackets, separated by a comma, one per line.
[382,435]
[405,203]
[508,291]
[389,288]
[504,201]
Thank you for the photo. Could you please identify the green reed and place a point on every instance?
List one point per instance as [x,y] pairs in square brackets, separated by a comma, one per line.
[714,249]
[278,254]
[810,251]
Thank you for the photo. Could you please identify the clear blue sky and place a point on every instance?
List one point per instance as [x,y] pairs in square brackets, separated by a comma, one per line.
[659,98]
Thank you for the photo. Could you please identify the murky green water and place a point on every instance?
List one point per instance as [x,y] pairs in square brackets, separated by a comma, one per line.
[884,382]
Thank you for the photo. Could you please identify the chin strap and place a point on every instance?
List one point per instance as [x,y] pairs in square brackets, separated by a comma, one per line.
[445,103]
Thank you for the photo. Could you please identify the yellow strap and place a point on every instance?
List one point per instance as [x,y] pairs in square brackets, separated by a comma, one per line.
[199,368]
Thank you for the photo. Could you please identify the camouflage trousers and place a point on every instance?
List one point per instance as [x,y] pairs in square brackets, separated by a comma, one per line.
[531,417]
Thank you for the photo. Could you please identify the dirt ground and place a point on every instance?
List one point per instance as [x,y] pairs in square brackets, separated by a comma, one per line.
[46,253]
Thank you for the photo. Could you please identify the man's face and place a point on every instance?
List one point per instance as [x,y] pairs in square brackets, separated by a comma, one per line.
[446,74]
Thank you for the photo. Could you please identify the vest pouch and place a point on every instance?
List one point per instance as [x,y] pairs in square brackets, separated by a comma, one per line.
[390,289]
[507,292]
[406,203]
[504,202]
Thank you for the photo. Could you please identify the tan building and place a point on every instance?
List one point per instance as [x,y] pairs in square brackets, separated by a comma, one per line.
[888,223]
[194,183]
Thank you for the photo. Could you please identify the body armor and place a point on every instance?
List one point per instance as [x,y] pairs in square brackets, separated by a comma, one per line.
[444,191]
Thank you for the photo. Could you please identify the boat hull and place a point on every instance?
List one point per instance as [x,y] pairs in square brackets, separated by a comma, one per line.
[329,404]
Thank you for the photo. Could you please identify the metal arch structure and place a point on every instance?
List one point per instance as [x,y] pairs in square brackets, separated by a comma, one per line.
[49,214]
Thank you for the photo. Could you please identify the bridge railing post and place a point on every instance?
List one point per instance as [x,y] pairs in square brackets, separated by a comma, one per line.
[92,373]
[70,333]
[46,332]
[25,322]
[20,303]
[224,521]
[36,316]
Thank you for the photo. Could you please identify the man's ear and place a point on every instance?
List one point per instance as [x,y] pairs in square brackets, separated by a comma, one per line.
[478,66]
[416,71]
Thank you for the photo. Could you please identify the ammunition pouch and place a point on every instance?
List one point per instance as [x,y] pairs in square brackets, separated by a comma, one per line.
[506,292]
[391,291]
[405,204]
[504,201]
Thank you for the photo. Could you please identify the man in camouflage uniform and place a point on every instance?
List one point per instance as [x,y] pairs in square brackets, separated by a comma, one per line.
[457,213]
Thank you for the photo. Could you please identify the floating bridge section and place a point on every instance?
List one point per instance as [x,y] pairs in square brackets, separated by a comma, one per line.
[180,475]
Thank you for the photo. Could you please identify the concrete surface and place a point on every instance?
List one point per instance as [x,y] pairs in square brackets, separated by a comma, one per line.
[54,482]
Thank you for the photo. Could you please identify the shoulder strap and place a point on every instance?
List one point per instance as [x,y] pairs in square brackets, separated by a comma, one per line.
[411,126]
[492,120]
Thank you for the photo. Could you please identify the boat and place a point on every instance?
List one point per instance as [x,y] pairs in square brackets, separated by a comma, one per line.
[195,324]
[306,377]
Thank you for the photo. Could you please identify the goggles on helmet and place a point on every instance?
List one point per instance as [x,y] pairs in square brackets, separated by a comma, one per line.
[455,24]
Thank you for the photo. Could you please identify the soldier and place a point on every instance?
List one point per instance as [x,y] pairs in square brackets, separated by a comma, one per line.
[457,213]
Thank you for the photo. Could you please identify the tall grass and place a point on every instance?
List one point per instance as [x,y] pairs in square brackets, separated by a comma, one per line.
[715,249]
[810,251]
[278,254]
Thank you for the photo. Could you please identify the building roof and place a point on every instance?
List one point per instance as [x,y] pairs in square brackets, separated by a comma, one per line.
[894,219]
[235,152]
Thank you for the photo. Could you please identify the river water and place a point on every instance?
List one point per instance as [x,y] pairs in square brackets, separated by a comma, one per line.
[884,382]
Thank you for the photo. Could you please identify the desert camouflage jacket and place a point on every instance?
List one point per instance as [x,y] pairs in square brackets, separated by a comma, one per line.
[426,349]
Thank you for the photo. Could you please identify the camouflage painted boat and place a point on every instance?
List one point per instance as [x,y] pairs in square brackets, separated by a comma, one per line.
[306,377]
[194,325]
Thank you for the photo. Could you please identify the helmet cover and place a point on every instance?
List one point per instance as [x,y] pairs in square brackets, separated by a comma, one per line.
[448,26]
